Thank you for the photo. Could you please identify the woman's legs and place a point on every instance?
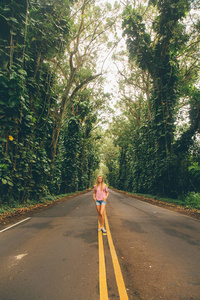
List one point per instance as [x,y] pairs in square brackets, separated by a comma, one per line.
[103,206]
[100,210]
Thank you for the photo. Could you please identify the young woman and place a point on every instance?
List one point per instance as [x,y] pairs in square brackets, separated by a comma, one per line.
[100,196]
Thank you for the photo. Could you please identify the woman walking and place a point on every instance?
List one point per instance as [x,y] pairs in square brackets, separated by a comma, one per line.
[100,196]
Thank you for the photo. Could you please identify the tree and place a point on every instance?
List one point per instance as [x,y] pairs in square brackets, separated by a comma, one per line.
[28,41]
[34,42]
[152,158]
[89,27]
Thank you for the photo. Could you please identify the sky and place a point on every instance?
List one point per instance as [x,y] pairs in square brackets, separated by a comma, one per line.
[111,76]
[110,84]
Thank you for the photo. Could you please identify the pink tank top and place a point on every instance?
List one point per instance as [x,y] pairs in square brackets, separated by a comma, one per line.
[100,195]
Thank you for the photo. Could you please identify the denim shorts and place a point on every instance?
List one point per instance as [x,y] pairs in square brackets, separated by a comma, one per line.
[99,202]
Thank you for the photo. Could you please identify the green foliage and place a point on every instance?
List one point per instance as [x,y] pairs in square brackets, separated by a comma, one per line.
[78,145]
[5,208]
[152,157]
[192,200]
[25,99]
[33,43]
[49,111]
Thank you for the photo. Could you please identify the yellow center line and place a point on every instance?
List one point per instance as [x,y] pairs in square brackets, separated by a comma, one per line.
[103,290]
[118,274]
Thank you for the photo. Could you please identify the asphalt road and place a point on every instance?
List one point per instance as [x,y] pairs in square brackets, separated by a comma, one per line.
[54,254]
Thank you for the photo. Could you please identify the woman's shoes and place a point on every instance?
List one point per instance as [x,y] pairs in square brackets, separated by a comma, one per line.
[103,230]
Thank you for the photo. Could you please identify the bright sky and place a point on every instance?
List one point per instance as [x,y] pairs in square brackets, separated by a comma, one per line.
[111,75]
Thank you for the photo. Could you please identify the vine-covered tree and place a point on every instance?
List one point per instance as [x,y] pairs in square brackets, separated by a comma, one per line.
[153,158]
[47,57]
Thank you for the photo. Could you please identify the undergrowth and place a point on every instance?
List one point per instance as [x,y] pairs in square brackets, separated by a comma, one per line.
[190,200]
[5,208]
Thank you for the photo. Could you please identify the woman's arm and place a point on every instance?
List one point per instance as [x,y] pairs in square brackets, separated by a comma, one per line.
[107,193]
[94,196]
[106,196]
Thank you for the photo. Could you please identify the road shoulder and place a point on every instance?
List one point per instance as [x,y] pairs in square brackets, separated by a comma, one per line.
[194,213]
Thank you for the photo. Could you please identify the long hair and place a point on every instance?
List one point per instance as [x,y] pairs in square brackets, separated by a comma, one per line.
[102,184]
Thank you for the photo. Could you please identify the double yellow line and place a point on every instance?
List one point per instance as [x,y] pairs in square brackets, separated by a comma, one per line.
[102,268]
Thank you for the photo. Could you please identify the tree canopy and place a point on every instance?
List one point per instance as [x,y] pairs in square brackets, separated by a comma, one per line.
[161,79]
[53,101]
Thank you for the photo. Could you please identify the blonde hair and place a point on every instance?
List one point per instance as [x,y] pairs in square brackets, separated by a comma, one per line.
[102,184]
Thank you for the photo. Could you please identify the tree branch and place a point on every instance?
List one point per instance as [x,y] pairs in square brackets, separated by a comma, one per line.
[83,83]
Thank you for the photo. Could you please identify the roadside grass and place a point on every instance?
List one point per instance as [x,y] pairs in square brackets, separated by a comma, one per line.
[6,209]
[190,200]
[180,202]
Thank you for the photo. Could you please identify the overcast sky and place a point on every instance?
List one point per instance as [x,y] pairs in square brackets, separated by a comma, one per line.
[111,75]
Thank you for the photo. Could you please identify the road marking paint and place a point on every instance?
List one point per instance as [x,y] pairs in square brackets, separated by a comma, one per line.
[118,274]
[20,256]
[103,290]
[14,225]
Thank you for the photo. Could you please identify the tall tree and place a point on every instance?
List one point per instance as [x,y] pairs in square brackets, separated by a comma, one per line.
[158,81]
[90,25]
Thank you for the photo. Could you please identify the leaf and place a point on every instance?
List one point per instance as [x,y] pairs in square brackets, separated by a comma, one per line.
[14,20]
[3,140]
[13,32]
[23,72]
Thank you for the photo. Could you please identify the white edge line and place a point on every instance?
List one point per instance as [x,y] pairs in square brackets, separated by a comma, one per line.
[14,225]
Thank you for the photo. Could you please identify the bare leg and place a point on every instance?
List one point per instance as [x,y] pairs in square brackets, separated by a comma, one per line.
[100,210]
[103,206]
[99,215]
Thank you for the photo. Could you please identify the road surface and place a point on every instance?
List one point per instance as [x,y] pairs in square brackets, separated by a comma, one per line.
[59,254]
